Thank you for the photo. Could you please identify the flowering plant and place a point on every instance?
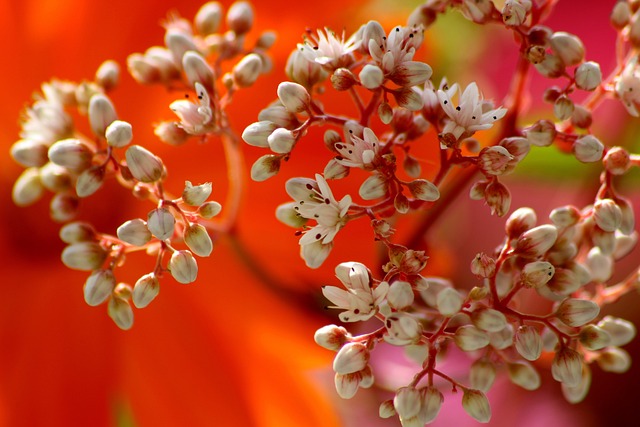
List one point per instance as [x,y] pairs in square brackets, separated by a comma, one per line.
[398,109]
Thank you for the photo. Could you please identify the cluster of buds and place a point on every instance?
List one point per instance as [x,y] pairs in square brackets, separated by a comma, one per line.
[57,157]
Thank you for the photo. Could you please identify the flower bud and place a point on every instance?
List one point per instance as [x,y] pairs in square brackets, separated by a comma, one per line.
[386,409]
[551,66]
[617,161]
[99,286]
[247,70]
[171,133]
[607,214]
[371,76]
[240,17]
[577,393]
[71,154]
[542,133]
[89,181]
[528,342]
[198,240]
[265,167]
[514,12]
[373,188]
[161,223]
[343,79]
[425,190]
[565,216]
[502,339]
[145,290]
[470,338]
[134,232]
[352,357]
[588,76]
[620,331]
[521,220]
[385,113]
[75,232]
[588,149]
[197,70]
[605,240]
[594,337]
[256,134]
[449,302]
[143,164]
[577,312]
[28,188]
[120,311]
[29,153]
[208,18]
[567,367]
[483,265]
[84,256]
[402,329]
[63,207]
[119,134]
[407,402]
[498,198]
[482,374]
[281,141]
[183,267]
[563,107]
[624,244]
[196,195]
[432,400]
[209,209]
[108,74]
[101,114]
[489,320]
[331,337]
[400,295]
[476,404]
[600,265]
[347,385]
[294,97]
[524,375]
[537,274]
[581,117]
[568,47]
[536,241]
[614,359]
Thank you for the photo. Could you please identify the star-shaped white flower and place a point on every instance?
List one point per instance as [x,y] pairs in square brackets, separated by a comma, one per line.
[328,50]
[471,114]
[314,200]
[361,152]
[195,118]
[359,301]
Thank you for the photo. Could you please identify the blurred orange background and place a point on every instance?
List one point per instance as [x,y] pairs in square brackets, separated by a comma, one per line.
[229,350]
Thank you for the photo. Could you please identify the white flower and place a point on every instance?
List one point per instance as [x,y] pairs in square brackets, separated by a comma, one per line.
[328,50]
[628,87]
[315,201]
[361,152]
[46,122]
[359,301]
[195,118]
[470,115]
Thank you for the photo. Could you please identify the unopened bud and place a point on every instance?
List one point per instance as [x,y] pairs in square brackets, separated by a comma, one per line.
[373,188]
[143,164]
[247,70]
[537,274]
[594,337]
[563,107]
[183,267]
[195,195]
[331,337]
[449,302]
[577,312]
[343,79]
[489,320]
[407,402]
[71,154]
[483,265]
[99,286]
[514,12]
[385,113]
[108,74]
[470,338]
[171,133]
[581,117]
[621,331]
[256,134]
[617,161]
[101,114]
[599,264]
[624,245]
[588,149]
[577,393]
[294,97]
[565,216]
[29,153]
[541,134]
[265,167]
[476,404]
[63,207]
[28,188]
[614,359]
[371,76]
[197,239]
[402,329]
[120,312]
[494,160]
[89,181]
[386,409]
[145,290]
[347,385]
[568,47]
[352,357]
[400,295]
[209,209]
[197,70]
[620,15]
[84,256]
[524,375]
[77,232]
[567,367]
[528,342]
[482,374]
[119,134]
[208,18]
[281,141]
[425,190]
[551,66]
[536,241]
[607,214]
[134,232]
[588,76]
[498,198]
[161,223]
[240,17]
